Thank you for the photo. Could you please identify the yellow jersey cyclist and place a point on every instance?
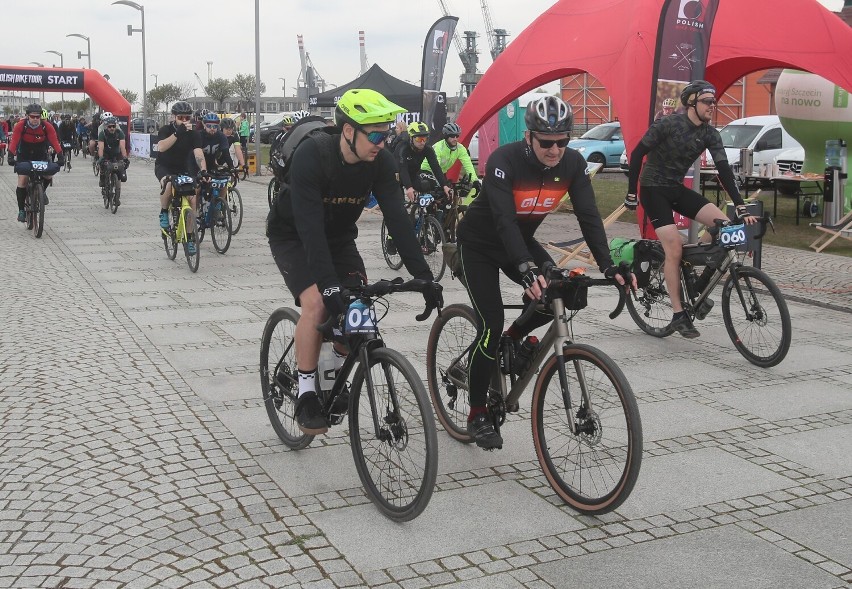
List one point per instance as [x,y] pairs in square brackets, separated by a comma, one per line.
[448,151]
[312,227]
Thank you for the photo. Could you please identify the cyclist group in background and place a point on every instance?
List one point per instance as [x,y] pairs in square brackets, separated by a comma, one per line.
[369,152]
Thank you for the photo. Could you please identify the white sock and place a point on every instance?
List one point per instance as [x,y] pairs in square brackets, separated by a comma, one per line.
[307,382]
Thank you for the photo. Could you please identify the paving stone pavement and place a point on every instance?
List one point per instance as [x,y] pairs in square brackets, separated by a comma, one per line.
[135,450]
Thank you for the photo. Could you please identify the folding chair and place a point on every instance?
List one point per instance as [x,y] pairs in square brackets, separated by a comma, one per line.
[842,229]
[576,249]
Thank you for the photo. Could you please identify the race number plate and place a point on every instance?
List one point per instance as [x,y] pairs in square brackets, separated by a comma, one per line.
[181,180]
[733,236]
[39,166]
[426,200]
[361,319]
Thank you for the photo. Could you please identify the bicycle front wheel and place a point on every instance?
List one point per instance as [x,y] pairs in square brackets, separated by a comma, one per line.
[235,203]
[431,238]
[192,258]
[392,257]
[95,170]
[399,463]
[447,352]
[595,469]
[37,205]
[220,226]
[756,316]
[652,309]
[115,192]
[279,377]
[272,190]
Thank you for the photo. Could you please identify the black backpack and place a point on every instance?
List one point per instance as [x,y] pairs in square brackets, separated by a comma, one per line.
[284,144]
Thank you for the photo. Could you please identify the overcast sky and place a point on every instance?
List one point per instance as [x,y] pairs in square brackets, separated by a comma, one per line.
[182,36]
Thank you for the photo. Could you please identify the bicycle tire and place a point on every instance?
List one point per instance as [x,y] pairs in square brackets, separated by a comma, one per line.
[757,338]
[279,379]
[393,260]
[38,208]
[95,170]
[28,208]
[452,333]
[271,190]
[220,225]
[652,309]
[115,194]
[192,260]
[593,472]
[105,193]
[67,164]
[170,241]
[431,238]
[399,467]
[235,203]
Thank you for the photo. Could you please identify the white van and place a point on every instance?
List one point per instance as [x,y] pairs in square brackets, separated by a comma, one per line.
[764,135]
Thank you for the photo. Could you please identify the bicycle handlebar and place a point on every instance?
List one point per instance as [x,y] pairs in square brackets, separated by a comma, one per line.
[379,288]
[559,279]
[764,220]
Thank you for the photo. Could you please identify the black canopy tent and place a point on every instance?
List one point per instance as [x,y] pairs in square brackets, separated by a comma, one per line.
[402,93]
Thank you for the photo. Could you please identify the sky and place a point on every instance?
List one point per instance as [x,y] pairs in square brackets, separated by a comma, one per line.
[182,36]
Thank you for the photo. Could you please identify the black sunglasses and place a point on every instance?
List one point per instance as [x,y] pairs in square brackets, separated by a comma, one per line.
[452,136]
[708,101]
[548,143]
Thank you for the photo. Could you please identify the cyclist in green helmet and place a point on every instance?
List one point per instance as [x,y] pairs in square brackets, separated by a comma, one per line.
[312,227]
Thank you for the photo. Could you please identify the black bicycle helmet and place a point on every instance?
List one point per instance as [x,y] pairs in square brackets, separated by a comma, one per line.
[34,108]
[228,123]
[549,114]
[181,107]
[697,88]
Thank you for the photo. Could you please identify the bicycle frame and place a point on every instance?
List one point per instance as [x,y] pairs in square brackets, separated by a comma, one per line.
[180,226]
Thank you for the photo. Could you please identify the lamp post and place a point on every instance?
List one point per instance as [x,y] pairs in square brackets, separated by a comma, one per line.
[155,79]
[130,31]
[61,65]
[80,54]
[42,92]
[257,86]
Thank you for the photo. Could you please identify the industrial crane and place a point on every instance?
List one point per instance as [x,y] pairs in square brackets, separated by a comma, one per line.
[309,79]
[468,54]
[496,37]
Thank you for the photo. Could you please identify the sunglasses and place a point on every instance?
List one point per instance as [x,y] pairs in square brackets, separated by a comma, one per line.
[110,126]
[708,101]
[34,116]
[211,126]
[183,117]
[376,137]
[452,136]
[548,143]
[419,139]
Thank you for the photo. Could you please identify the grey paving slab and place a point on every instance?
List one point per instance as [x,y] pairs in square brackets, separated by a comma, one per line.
[824,529]
[316,469]
[682,417]
[248,425]
[721,558]
[789,400]
[499,581]
[826,450]
[190,315]
[165,335]
[526,516]
[693,478]
[810,357]
[218,359]
[227,387]
[689,372]
[146,300]
[252,330]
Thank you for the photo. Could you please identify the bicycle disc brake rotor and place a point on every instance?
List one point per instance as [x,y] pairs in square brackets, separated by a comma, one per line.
[589,427]
[395,431]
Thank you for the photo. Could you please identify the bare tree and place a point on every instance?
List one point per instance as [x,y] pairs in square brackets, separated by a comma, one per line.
[185,90]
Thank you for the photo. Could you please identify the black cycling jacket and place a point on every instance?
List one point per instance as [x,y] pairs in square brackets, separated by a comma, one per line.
[518,192]
[410,160]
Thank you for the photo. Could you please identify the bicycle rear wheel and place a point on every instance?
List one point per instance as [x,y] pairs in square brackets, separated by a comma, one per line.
[235,203]
[105,192]
[192,259]
[272,190]
[399,463]
[431,238]
[758,322]
[220,225]
[392,257]
[37,205]
[652,309]
[447,349]
[595,470]
[279,377]
[95,170]
[115,192]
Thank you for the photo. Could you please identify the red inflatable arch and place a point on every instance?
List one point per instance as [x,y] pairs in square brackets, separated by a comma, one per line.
[43,79]
[615,40]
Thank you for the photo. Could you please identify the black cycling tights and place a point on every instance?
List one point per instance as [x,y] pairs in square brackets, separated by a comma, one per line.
[482,274]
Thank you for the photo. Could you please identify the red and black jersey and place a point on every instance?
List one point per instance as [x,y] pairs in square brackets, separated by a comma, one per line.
[27,141]
[518,192]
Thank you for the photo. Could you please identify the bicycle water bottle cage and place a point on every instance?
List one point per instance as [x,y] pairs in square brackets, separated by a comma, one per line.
[733,236]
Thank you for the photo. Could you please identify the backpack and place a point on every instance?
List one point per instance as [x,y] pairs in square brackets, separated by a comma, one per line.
[284,144]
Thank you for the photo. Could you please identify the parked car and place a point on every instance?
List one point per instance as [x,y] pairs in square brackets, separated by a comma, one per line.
[268,130]
[624,163]
[602,144]
[140,125]
[764,135]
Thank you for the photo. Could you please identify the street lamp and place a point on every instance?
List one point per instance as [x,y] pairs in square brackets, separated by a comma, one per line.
[155,79]
[42,92]
[61,65]
[257,86]
[130,31]
[80,54]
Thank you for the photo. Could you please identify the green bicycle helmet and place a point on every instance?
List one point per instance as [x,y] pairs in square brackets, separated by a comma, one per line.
[365,107]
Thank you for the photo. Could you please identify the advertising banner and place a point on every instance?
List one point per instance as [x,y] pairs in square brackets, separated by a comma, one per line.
[140,145]
[435,49]
[44,79]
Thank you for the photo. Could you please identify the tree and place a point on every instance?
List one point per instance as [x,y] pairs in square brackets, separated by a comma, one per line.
[244,88]
[155,99]
[129,95]
[219,89]
[185,90]
[166,93]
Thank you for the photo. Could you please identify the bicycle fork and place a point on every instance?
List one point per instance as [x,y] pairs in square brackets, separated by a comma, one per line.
[393,429]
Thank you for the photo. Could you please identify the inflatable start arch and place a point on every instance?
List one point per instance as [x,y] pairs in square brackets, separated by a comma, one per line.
[43,79]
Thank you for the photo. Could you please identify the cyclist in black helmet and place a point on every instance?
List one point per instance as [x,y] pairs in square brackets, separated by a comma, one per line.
[524,182]
[672,145]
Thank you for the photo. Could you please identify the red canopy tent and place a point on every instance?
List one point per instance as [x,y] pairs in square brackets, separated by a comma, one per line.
[615,40]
